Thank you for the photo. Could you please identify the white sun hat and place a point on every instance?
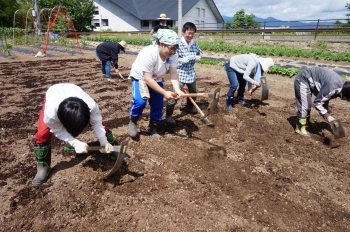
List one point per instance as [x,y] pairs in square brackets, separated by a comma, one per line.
[162,16]
[266,63]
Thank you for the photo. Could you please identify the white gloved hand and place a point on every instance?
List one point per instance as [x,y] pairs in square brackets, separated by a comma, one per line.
[198,58]
[108,148]
[79,146]
[184,60]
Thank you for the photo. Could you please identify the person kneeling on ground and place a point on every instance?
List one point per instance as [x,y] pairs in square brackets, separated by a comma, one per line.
[146,73]
[325,84]
[108,52]
[67,110]
[243,68]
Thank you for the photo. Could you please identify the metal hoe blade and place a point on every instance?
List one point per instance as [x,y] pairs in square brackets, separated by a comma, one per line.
[337,128]
[264,89]
[214,103]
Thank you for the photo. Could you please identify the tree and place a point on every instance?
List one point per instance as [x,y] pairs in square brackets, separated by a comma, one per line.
[7,10]
[347,24]
[80,11]
[242,20]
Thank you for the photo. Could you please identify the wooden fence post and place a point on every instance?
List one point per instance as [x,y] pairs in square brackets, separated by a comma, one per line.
[318,22]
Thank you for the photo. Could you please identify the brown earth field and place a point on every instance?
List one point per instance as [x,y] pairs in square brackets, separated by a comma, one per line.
[250,172]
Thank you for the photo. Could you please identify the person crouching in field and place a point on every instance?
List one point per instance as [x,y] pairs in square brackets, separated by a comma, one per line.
[325,84]
[108,52]
[241,69]
[67,110]
[147,73]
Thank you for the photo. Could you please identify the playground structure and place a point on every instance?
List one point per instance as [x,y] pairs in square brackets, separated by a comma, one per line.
[51,20]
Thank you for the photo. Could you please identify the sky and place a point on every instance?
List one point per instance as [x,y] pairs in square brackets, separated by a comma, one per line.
[286,10]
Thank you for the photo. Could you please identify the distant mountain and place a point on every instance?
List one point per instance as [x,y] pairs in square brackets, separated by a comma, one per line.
[272,22]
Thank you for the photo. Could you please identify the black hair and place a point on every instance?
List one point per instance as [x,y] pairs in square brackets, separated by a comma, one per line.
[189,25]
[74,114]
[346,90]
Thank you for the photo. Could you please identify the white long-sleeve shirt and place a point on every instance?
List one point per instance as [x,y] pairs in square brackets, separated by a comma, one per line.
[55,95]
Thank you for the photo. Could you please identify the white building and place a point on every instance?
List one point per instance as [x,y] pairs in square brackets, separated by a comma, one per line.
[140,15]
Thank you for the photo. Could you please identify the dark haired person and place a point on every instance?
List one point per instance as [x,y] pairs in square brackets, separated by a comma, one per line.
[108,52]
[162,24]
[147,73]
[241,69]
[67,110]
[189,53]
[325,84]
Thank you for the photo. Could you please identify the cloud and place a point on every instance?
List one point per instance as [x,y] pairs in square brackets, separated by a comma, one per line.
[286,10]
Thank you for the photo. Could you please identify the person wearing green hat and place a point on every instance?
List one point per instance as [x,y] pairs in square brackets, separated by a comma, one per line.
[147,73]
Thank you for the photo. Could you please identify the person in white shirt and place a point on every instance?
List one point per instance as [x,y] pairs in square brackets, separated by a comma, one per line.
[146,73]
[67,110]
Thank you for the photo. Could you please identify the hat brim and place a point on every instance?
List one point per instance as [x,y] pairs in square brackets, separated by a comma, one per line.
[163,18]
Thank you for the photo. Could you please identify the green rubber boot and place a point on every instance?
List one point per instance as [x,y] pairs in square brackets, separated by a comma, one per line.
[42,153]
[301,127]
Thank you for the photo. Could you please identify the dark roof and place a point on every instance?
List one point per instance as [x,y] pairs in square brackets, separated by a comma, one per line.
[151,9]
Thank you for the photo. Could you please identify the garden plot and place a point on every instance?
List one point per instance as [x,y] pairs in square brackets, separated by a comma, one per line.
[250,172]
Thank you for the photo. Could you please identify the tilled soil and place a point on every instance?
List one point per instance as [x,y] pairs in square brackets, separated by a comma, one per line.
[250,172]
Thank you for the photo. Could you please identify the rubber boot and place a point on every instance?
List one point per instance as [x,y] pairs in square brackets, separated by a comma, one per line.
[310,122]
[243,103]
[42,153]
[190,108]
[133,126]
[229,100]
[169,115]
[301,127]
[110,139]
[153,129]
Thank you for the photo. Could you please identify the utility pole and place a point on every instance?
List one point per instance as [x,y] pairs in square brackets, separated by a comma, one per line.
[179,18]
[36,15]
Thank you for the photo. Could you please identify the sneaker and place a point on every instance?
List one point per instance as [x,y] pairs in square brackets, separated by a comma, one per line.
[243,103]
[110,79]
[104,75]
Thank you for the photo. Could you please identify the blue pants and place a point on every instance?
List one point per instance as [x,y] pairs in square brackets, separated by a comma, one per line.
[156,102]
[105,67]
[235,78]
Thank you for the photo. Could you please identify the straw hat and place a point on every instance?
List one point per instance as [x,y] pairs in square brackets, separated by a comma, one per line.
[163,17]
[123,44]
[266,63]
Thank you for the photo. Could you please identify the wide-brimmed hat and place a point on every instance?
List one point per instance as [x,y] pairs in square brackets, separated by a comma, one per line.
[167,36]
[163,17]
[266,63]
[123,45]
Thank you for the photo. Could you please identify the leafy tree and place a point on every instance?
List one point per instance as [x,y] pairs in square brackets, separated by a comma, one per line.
[347,24]
[80,11]
[7,10]
[242,20]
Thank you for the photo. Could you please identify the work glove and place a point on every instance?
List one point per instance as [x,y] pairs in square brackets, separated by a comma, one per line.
[198,58]
[107,147]
[79,146]
[184,59]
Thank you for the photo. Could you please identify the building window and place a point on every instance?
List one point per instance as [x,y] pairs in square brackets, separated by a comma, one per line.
[96,11]
[198,12]
[197,23]
[203,13]
[202,24]
[105,22]
[145,23]
[96,23]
